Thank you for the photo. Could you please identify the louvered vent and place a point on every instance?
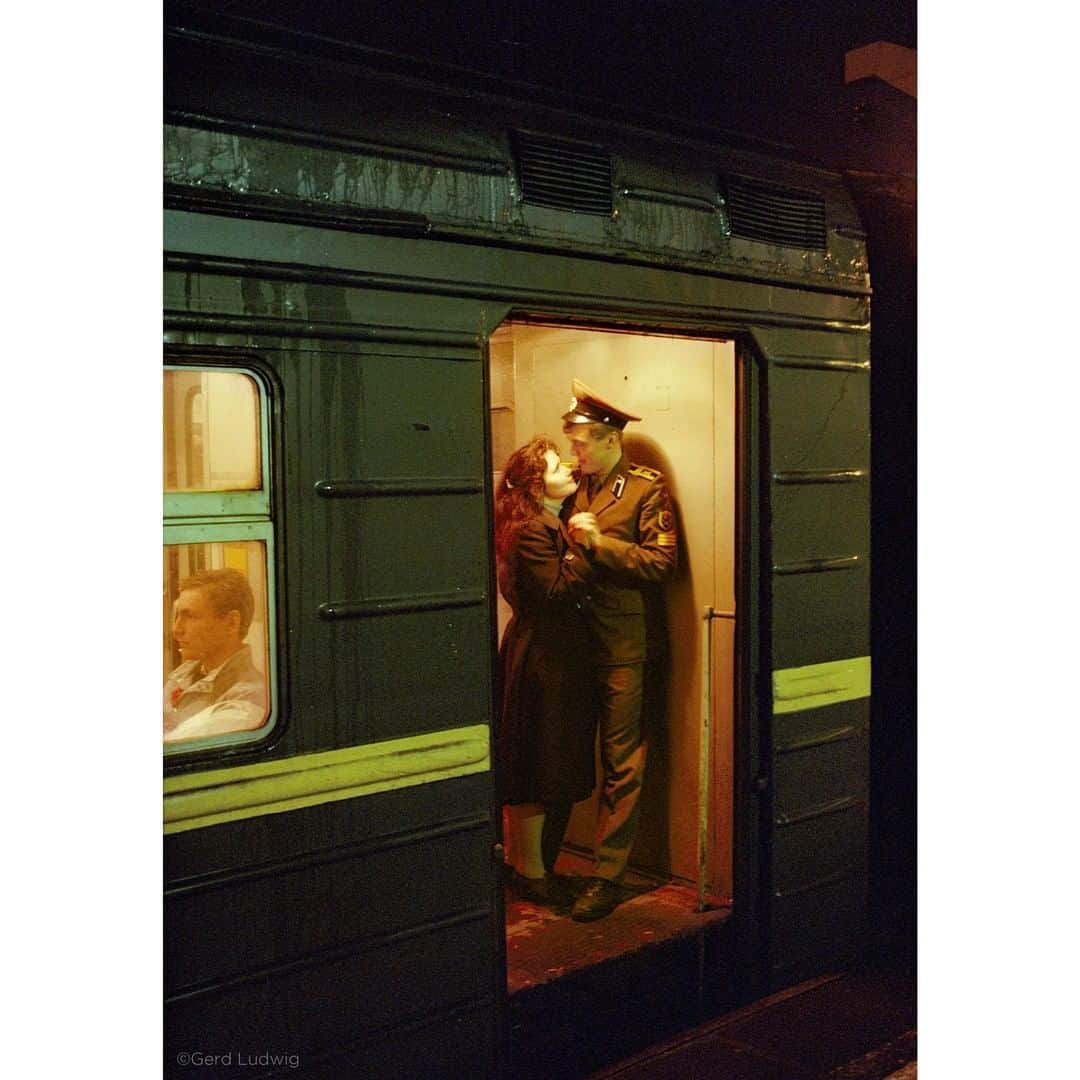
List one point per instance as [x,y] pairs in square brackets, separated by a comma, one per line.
[759,211]
[563,175]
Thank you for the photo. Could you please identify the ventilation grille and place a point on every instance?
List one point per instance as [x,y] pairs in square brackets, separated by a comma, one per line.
[776,215]
[563,175]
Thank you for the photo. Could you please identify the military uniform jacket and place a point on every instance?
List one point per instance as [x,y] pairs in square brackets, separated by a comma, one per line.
[638,549]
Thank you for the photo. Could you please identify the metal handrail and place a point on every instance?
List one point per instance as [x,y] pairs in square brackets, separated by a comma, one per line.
[704,755]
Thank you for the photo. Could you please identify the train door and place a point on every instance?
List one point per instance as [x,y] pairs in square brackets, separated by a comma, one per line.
[817,756]
[684,390]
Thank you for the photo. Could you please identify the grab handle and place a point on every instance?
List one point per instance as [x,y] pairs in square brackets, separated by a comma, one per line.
[704,755]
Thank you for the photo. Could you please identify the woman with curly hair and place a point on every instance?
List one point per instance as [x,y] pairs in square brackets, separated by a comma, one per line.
[546,727]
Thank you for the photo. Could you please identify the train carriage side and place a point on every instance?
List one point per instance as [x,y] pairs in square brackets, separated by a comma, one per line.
[331,888]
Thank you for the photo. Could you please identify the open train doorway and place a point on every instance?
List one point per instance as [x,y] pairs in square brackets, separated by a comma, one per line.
[684,390]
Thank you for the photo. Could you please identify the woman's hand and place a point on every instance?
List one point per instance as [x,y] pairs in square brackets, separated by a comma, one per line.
[584,529]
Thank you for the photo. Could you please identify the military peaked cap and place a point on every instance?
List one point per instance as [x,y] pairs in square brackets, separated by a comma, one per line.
[587,408]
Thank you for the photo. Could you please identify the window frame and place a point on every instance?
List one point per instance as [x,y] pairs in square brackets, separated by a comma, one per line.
[203,517]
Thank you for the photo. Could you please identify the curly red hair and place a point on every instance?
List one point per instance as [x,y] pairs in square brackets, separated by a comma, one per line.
[518,498]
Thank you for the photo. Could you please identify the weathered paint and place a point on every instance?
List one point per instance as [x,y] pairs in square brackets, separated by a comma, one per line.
[252,166]
[666,203]
[196,800]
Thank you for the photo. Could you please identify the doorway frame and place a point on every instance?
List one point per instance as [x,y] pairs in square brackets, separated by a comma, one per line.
[747,924]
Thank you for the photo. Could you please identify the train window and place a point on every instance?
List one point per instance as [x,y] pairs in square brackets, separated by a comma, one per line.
[215,649]
[213,460]
[218,598]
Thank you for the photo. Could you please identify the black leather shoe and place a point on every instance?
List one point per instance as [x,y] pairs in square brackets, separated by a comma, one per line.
[601,897]
[548,890]
[561,891]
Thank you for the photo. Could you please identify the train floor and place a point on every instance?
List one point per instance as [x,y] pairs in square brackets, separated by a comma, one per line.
[543,944]
[568,1009]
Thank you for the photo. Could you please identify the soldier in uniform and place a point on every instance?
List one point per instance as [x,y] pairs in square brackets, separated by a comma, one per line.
[622,517]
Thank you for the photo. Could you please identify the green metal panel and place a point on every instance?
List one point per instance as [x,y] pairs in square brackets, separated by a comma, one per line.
[536,281]
[381,510]
[413,672]
[382,489]
[417,416]
[819,505]
[818,616]
[405,545]
[305,932]
[379,654]
[818,520]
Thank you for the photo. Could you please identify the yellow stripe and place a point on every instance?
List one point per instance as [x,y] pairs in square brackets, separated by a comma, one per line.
[196,800]
[815,685]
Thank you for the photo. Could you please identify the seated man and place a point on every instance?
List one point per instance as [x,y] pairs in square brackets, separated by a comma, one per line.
[217,688]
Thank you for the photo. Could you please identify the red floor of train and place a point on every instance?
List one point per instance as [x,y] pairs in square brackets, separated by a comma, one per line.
[542,945]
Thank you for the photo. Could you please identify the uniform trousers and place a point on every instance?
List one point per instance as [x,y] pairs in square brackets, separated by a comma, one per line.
[622,755]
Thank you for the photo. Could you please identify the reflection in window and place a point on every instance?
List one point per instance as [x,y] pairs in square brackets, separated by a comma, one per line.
[216,616]
[211,427]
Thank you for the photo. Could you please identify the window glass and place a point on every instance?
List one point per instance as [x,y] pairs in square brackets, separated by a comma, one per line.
[211,428]
[215,645]
[218,612]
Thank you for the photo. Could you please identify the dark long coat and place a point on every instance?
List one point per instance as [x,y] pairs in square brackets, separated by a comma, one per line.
[546,714]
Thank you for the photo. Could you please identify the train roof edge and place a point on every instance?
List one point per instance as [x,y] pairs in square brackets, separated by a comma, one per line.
[654,190]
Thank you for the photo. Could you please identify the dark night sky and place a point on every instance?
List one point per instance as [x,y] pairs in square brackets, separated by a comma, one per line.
[742,64]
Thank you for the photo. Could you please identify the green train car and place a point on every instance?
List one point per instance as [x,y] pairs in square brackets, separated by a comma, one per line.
[378,282]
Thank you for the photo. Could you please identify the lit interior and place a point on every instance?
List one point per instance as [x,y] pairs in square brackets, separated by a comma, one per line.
[211,431]
[684,390]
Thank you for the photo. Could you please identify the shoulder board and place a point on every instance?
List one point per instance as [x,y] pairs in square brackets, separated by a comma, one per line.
[644,472]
